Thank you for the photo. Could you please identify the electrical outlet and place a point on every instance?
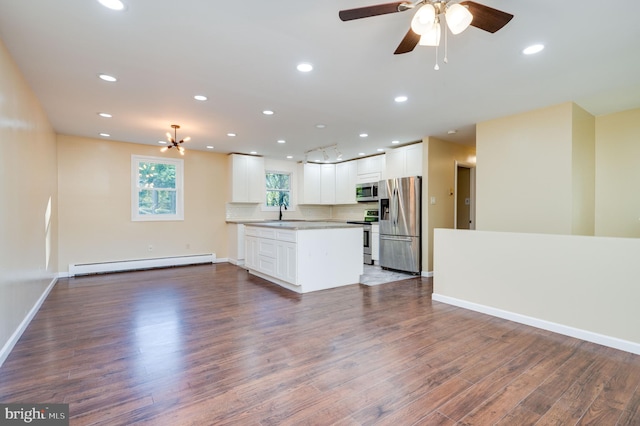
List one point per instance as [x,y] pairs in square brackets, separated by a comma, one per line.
[188,246]
[150,248]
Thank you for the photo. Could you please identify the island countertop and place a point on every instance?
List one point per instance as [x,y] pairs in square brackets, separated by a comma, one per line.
[302,225]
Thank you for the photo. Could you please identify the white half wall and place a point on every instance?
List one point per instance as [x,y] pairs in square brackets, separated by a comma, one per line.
[585,287]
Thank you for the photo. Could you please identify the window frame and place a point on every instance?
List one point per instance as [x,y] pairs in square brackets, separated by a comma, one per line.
[135,189]
[289,173]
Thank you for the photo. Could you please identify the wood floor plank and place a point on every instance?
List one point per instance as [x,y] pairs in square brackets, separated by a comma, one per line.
[211,344]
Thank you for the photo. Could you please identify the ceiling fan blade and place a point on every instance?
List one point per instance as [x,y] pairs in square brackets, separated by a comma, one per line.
[365,12]
[408,43]
[487,18]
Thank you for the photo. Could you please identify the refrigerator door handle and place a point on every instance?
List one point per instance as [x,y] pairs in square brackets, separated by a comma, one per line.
[391,238]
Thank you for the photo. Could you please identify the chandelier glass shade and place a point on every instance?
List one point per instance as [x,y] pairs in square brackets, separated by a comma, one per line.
[458,18]
[426,22]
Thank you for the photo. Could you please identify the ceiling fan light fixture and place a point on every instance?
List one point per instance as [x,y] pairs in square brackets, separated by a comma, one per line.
[458,18]
[424,19]
[431,37]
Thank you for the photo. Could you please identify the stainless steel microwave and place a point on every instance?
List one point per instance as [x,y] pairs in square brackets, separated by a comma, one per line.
[366,192]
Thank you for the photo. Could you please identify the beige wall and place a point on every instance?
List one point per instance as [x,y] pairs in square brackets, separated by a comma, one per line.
[28,211]
[439,162]
[583,167]
[581,286]
[535,172]
[95,205]
[618,174]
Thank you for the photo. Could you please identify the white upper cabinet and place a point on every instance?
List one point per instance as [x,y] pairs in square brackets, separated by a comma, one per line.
[404,161]
[370,169]
[346,178]
[316,183]
[309,181]
[247,178]
[328,184]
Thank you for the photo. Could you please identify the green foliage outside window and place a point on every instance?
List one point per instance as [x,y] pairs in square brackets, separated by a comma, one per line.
[278,189]
[157,183]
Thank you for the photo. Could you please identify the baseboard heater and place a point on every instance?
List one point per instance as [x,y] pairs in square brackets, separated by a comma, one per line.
[137,264]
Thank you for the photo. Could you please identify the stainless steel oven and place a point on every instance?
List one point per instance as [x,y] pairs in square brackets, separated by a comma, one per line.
[370,216]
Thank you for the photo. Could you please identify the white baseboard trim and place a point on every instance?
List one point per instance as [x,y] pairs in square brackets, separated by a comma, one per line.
[589,336]
[8,346]
[427,274]
[132,265]
[236,262]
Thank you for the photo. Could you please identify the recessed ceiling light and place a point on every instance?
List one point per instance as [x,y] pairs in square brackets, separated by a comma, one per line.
[231,135]
[400,99]
[200,97]
[105,115]
[380,149]
[112,4]
[304,67]
[162,142]
[535,48]
[289,157]
[361,153]
[282,141]
[253,152]
[321,126]
[267,112]
[395,142]
[105,135]
[107,77]
[363,135]
[452,132]
[209,146]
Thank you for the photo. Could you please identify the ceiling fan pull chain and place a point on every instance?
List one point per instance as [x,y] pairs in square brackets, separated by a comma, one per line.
[437,67]
[446,45]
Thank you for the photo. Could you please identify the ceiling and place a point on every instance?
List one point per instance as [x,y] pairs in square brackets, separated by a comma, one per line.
[243,57]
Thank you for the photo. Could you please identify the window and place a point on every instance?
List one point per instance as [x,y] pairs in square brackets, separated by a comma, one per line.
[156,189]
[278,189]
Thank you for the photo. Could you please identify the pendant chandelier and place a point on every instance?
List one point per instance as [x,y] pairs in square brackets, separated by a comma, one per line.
[173,140]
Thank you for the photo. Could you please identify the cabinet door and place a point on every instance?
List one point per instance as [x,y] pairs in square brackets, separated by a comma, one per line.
[247,178]
[286,266]
[394,163]
[346,176]
[375,243]
[309,183]
[251,252]
[370,169]
[413,160]
[255,180]
[328,184]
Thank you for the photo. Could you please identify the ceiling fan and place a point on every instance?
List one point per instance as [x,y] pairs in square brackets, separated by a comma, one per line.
[425,25]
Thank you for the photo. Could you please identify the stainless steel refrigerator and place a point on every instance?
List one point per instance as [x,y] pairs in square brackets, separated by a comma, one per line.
[400,223]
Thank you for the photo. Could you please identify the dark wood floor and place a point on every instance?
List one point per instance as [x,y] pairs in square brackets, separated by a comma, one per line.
[211,345]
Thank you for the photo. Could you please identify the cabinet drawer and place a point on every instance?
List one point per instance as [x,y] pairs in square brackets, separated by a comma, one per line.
[267,248]
[289,236]
[267,265]
[267,233]
[251,231]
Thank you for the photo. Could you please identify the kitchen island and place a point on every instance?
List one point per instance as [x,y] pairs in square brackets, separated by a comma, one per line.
[305,256]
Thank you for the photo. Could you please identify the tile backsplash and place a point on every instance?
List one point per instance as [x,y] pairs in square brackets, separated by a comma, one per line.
[241,211]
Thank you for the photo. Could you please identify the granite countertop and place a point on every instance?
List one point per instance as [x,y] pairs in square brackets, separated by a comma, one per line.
[302,225]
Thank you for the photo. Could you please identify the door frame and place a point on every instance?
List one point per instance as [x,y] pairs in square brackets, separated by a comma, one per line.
[472,196]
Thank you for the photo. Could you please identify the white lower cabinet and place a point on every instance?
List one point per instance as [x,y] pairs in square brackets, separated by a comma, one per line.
[271,252]
[375,244]
[287,263]
[305,260]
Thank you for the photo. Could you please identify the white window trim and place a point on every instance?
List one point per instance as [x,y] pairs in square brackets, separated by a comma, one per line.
[292,205]
[179,164]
